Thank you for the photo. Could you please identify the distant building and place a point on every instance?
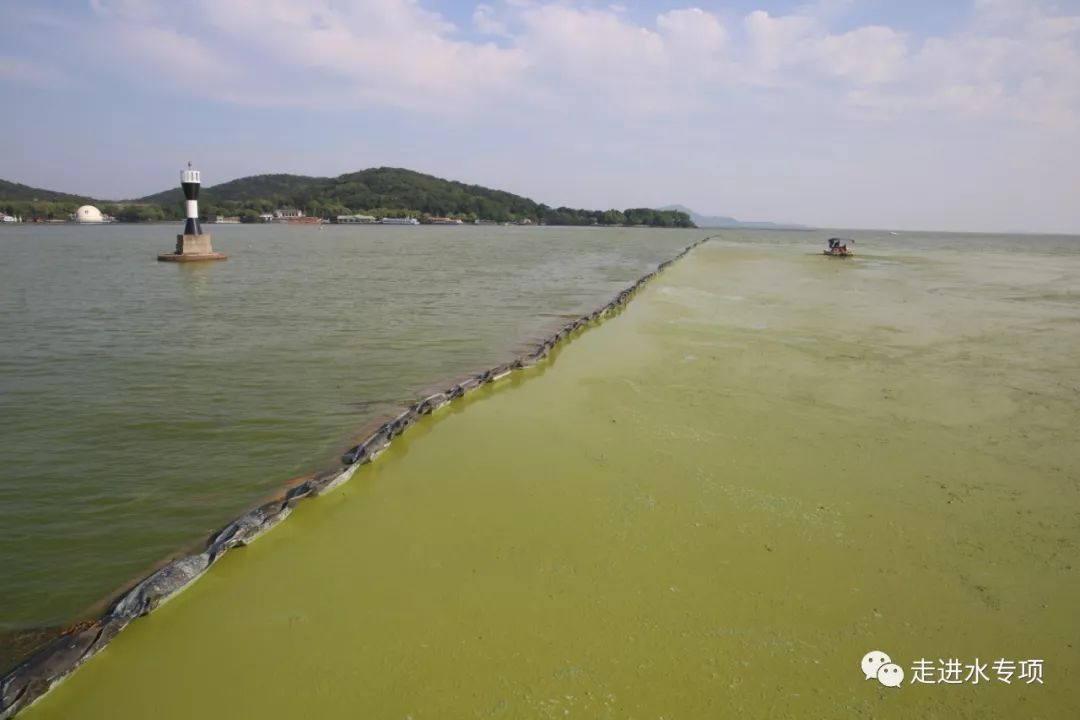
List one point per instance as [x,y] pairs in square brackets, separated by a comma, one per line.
[286,214]
[5,218]
[225,219]
[266,217]
[355,219]
[399,221]
[445,221]
[88,214]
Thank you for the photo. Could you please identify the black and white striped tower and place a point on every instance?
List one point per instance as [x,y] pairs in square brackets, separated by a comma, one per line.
[189,180]
[192,245]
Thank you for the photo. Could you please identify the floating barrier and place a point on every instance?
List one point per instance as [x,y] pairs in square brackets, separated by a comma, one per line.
[34,678]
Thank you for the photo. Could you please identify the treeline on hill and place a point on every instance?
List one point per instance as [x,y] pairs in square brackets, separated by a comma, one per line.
[382,192]
[30,202]
[17,192]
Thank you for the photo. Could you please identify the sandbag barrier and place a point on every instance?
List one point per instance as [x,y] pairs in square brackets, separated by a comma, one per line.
[34,678]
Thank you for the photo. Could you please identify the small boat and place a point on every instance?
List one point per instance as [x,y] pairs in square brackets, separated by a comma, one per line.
[838,247]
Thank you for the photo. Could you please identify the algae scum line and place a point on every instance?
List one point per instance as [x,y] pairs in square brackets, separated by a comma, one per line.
[36,676]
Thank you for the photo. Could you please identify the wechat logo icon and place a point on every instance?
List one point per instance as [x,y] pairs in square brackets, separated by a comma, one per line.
[876,664]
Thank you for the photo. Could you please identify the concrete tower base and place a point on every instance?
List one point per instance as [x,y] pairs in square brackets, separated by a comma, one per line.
[192,248]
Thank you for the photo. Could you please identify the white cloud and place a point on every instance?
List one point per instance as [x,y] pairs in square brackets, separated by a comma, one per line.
[384,51]
[867,56]
[791,49]
[1013,57]
[485,21]
[700,30]
[597,42]
[775,44]
[695,42]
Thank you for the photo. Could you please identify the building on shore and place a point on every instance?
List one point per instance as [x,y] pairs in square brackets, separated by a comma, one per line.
[355,219]
[445,221]
[287,214]
[5,218]
[266,217]
[399,221]
[224,219]
[89,215]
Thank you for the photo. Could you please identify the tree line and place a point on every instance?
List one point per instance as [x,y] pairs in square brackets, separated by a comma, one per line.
[250,212]
[381,192]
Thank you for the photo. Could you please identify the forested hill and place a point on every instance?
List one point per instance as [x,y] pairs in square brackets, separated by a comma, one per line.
[396,191]
[363,191]
[383,192]
[378,188]
[24,193]
[276,187]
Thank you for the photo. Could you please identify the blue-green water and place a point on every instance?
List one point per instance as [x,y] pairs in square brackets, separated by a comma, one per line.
[144,404]
[713,504]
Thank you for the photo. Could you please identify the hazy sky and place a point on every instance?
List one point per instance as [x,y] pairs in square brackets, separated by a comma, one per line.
[946,114]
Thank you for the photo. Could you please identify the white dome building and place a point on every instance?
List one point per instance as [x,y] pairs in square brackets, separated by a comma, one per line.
[88,214]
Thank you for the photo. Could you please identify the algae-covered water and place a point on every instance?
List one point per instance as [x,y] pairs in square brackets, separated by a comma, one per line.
[712,505]
[145,404]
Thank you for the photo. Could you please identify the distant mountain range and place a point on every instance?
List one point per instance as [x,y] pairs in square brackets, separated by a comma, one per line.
[369,189]
[723,221]
[382,192]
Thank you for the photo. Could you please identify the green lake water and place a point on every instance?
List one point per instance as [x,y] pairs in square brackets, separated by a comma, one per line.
[145,404]
[711,505]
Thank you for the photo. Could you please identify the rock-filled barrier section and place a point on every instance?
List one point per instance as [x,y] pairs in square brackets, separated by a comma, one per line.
[34,678]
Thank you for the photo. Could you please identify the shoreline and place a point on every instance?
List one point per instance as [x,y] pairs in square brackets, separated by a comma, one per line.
[34,676]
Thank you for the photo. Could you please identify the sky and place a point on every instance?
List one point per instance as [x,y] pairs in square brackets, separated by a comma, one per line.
[900,114]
